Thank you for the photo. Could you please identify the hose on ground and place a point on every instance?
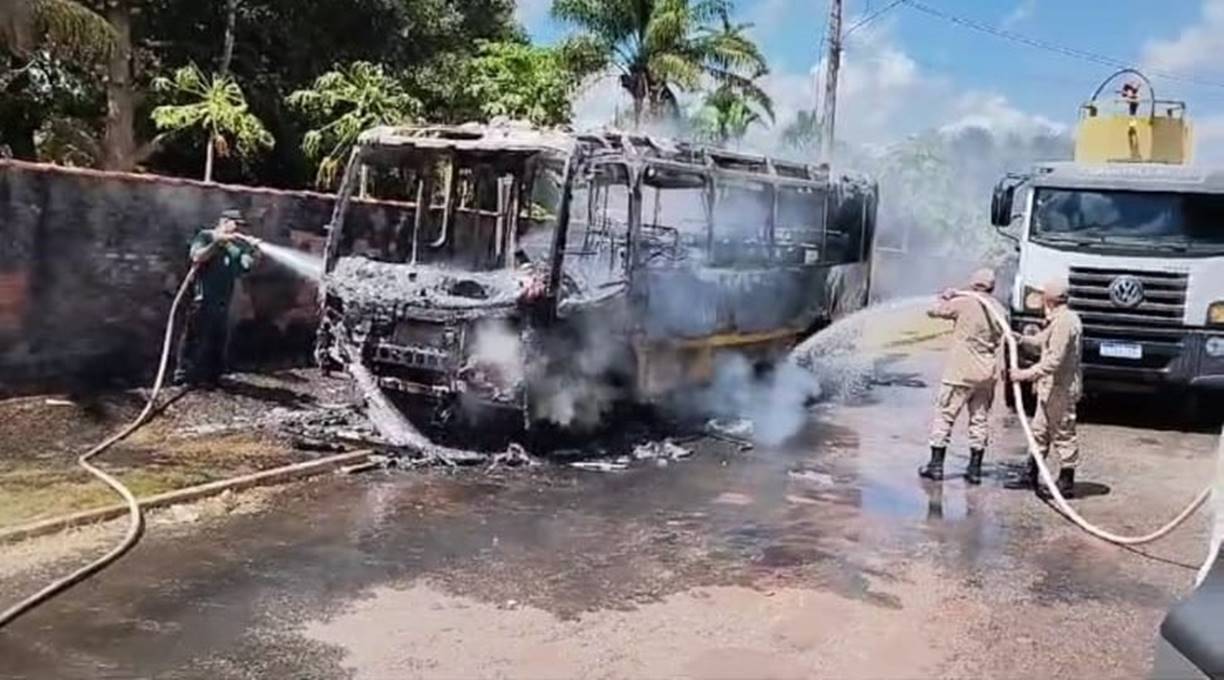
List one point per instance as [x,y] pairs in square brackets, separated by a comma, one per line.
[1046,476]
[135,515]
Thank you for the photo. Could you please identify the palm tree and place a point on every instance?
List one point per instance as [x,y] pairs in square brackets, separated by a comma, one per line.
[216,106]
[66,28]
[725,117]
[344,103]
[737,63]
[660,47]
[803,134]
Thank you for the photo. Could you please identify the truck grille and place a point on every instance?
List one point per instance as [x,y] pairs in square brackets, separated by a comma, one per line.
[1163,305]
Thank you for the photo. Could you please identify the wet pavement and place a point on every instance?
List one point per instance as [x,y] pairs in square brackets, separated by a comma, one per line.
[822,557]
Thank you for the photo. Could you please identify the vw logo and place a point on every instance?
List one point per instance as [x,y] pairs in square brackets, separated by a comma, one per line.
[1126,291]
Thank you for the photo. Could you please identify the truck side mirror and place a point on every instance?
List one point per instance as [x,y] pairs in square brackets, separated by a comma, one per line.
[1001,203]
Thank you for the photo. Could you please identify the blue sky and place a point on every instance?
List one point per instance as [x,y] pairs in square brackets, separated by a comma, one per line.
[908,70]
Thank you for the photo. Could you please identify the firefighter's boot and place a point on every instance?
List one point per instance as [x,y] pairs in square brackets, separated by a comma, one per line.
[973,473]
[1066,485]
[1027,479]
[933,470]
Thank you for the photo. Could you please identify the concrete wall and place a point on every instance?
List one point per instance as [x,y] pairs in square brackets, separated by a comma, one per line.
[89,262]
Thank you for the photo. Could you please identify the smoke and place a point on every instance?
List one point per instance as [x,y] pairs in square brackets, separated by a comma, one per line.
[498,347]
[935,189]
[494,364]
[774,399]
[575,373]
[579,374]
[835,364]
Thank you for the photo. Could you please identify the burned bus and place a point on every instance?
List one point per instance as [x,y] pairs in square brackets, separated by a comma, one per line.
[556,272]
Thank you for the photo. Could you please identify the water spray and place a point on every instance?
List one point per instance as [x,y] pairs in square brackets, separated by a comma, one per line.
[303,264]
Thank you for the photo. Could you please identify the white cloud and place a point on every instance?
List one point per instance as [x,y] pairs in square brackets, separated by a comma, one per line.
[1199,45]
[993,113]
[1020,13]
[884,95]
[1209,139]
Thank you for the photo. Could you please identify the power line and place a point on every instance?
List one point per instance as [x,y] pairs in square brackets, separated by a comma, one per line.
[1046,45]
[873,16]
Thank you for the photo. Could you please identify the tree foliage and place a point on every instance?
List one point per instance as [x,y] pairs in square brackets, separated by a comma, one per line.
[803,134]
[281,46]
[522,81]
[345,102]
[725,117]
[215,106]
[65,28]
[660,48]
[74,142]
[44,89]
[737,63]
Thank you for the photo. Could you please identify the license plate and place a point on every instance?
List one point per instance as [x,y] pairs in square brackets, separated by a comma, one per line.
[1121,350]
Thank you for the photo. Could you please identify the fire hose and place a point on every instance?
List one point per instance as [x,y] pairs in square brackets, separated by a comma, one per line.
[1044,473]
[135,515]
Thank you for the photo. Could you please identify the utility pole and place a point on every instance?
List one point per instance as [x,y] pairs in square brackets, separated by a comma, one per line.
[829,120]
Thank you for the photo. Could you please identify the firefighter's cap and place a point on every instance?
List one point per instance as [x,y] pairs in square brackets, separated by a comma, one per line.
[233,215]
[1056,290]
[982,279]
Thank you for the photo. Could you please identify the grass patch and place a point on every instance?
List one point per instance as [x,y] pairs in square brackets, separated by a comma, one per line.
[63,493]
[36,489]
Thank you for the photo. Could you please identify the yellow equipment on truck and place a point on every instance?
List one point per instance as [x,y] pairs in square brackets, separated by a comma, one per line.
[1132,129]
[1139,235]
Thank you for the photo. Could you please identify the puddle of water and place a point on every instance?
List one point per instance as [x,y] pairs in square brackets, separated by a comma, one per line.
[919,501]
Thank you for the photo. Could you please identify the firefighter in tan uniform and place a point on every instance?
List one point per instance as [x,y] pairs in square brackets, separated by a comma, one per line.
[974,366]
[1058,386]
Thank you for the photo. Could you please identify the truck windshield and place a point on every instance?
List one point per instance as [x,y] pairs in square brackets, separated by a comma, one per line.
[1129,219]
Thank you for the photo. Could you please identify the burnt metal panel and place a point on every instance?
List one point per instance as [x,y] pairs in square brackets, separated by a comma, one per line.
[699,302]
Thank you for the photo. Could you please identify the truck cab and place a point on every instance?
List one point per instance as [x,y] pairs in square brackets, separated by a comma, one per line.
[1139,236]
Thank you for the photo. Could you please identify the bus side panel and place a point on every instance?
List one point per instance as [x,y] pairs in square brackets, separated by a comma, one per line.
[696,303]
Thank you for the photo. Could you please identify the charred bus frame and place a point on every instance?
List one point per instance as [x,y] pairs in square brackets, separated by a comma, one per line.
[672,253]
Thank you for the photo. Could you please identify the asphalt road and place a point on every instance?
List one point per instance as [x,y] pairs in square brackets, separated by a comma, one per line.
[822,557]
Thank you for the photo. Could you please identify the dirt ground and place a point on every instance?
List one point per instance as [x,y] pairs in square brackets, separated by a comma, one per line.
[824,556]
[199,437]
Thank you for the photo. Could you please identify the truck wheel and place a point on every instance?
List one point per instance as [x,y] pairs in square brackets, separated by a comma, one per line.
[1200,411]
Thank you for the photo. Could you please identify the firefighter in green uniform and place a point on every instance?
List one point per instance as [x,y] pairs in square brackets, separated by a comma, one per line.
[221,254]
